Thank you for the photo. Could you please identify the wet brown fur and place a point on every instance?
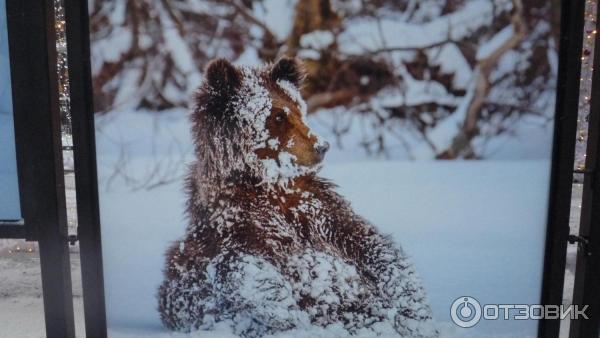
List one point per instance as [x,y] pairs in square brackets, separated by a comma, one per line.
[332,227]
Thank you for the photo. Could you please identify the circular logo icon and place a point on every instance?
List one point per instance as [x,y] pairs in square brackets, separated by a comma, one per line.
[465,312]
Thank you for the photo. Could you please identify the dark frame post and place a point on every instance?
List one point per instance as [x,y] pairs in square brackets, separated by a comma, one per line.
[587,275]
[86,180]
[14,229]
[563,155]
[32,48]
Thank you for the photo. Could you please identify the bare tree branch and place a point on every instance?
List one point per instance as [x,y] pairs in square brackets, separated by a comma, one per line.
[461,145]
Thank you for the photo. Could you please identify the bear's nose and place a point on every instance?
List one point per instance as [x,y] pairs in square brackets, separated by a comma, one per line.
[322,148]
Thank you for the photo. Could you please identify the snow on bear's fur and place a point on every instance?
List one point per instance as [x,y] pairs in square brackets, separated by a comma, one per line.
[270,246]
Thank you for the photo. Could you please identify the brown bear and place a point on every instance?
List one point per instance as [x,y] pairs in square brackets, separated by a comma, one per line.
[270,246]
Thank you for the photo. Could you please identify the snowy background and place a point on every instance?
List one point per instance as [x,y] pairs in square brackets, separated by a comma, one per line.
[422,81]
[409,79]
[472,227]
[9,189]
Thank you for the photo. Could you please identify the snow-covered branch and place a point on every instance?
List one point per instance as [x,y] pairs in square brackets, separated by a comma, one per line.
[430,77]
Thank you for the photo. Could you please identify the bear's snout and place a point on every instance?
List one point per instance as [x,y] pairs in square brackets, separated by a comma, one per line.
[321,149]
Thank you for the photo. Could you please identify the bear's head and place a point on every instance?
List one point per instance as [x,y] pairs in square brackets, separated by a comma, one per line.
[251,123]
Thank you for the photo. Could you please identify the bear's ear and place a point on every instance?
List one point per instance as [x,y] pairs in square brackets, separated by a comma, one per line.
[288,69]
[223,77]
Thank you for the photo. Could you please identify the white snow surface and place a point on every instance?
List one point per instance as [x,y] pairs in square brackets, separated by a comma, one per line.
[277,15]
[473,228]
[530,138]
[317,39]
[398,34]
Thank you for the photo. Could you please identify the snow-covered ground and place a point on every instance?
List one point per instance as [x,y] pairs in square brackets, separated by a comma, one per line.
[474,228]
[21,302]
[21,312]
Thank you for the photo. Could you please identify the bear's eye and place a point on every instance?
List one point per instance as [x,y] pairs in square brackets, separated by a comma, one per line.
[280,117]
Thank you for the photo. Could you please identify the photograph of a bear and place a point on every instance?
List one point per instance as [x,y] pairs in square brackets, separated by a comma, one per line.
[270,245]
